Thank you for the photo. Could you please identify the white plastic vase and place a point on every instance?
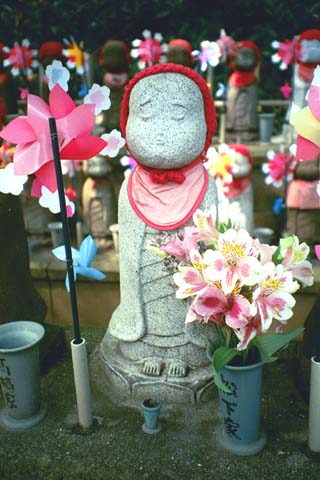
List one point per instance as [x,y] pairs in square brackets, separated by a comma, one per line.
[20,375]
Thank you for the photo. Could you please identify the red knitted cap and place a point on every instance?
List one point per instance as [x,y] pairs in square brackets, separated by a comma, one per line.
[243,149]
[312,34]
[3,54]
[50,49]
[249,44]
[210,112]
[179,42]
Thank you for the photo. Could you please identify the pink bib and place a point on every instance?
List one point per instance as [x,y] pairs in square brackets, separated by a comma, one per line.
[170,205]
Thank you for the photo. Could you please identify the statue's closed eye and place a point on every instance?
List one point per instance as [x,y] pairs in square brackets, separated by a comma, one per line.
[145,109]
[178,111]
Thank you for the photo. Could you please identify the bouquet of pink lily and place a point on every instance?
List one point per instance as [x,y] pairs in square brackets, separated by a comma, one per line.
[236,286]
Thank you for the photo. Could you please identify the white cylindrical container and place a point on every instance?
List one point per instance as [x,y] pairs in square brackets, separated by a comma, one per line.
[82,383]
[20,374]
[314,406]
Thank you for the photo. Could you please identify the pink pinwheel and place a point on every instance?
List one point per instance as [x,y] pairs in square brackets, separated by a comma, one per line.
[209,54]
[33,154]
[227,45]
[149,50]
[287,54]
[20,58]
[279,167]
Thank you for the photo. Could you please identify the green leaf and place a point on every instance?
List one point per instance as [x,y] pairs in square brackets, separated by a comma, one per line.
[277,257]
[219,383]
[273,342]
[286,242]
[221,357]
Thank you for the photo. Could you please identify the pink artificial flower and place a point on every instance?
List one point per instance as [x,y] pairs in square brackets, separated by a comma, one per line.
[148,50]
[278,167]
[227,45]
[209,54]
[71,194]
[233,261]
[273,298]
[317,250]
[20,58]
[31,133]
[23,93]
[286,91]
[287,54]
[295,262]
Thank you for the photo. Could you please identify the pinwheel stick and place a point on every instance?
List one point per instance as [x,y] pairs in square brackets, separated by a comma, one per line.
[66,230]
[78,344]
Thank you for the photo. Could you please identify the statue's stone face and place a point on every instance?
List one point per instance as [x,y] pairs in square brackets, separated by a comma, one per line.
[246,59]
[310,51]
[166,126]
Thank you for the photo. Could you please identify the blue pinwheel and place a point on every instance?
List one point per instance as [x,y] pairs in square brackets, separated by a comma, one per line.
[82,260]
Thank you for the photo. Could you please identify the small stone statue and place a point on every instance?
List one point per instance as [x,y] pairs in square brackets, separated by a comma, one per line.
[180,51]
[114,59]
[168,120]
[99,204]
[242,119]
[240,188]
[309,57]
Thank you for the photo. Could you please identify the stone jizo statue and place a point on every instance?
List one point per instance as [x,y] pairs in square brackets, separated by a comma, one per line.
[242,97]
[168,120]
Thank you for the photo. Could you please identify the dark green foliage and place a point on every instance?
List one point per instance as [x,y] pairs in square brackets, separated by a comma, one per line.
[95,21]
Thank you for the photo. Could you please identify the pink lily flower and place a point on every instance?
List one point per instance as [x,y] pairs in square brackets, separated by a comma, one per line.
[265,251]
[273,297]
[246,333]
[206,225]
[31,133]
[235,260]
[295,262]
[189,282]
[180,248]
[214,305]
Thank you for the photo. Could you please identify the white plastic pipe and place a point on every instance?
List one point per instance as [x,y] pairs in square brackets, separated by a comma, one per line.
[82,383]
[314,406]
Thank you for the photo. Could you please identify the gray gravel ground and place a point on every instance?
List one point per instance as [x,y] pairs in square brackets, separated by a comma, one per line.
[186,448]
